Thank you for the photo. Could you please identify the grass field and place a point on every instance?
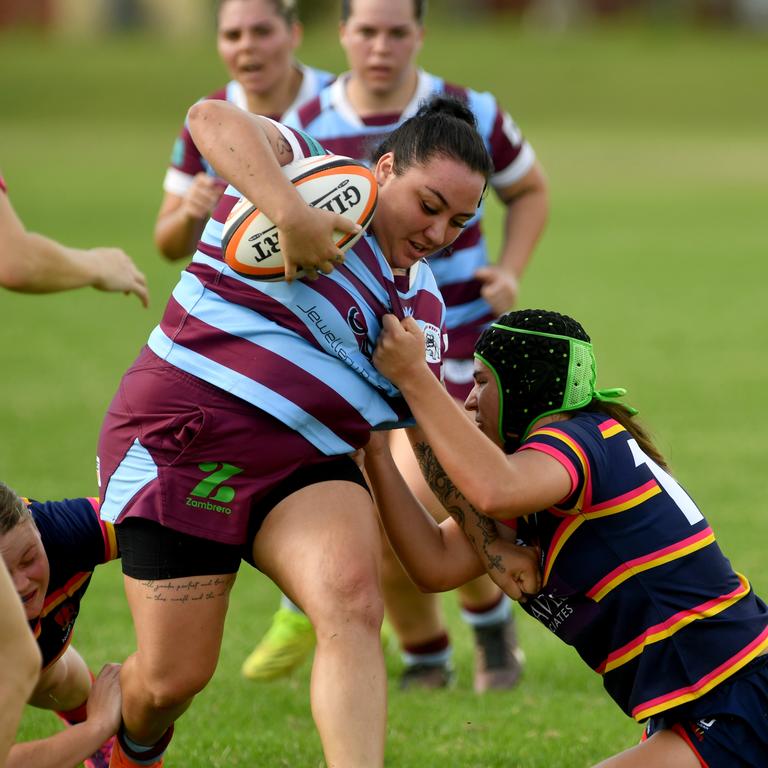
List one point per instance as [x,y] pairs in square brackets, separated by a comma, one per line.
[654,142]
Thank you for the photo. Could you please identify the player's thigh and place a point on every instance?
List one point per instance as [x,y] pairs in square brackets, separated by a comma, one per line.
[179,623]
[665,749]
[322,540]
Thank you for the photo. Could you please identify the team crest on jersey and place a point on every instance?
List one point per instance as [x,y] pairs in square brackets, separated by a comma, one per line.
[432,343]
[356,322]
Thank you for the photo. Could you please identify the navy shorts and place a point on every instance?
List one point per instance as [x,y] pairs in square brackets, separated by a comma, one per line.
[728,727]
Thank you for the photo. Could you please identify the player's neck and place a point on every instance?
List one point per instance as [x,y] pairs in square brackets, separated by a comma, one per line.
[367,103]
[278,99]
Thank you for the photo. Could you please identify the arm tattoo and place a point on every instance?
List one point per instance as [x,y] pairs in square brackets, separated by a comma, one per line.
[479,529]
[283,147]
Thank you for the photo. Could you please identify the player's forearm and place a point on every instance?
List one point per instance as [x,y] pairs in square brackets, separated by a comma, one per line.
[177,234]
[525,220]
[66,749]
[413,533]
[480,531]
[475,465]
[240,150]
[41,265]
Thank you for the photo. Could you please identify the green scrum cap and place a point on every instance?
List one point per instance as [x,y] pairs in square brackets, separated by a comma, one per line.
[543,364]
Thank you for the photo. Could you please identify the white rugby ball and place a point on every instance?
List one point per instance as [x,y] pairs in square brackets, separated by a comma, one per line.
[250,243]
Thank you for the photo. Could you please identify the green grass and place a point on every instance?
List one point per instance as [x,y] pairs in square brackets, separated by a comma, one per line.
[655,147]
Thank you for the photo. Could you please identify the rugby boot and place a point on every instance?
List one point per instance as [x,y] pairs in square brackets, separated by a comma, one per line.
[289,640]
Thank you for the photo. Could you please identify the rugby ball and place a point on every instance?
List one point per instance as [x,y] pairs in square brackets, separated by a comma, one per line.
[250,241]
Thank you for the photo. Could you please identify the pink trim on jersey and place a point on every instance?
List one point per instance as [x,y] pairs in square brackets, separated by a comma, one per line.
[652,560]
[3,187]
[565,530]
[672,625]
[550,450]
[585,498]
[705,684]
[609,428]
[54,599]
[625,501]
[107,532]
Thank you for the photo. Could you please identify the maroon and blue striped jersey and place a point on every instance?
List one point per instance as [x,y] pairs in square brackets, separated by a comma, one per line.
[186,160]
[301,351]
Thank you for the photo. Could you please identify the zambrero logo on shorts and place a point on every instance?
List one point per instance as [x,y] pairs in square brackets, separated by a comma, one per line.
[211,488]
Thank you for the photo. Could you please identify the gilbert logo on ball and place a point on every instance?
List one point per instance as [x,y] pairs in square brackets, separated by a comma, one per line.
[250,241]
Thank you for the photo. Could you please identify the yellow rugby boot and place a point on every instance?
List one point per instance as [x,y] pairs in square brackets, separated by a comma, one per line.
[289,640]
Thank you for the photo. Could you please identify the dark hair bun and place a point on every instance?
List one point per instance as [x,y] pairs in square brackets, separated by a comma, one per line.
[446,105]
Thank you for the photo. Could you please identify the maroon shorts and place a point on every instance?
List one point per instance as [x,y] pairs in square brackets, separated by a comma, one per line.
[183,453]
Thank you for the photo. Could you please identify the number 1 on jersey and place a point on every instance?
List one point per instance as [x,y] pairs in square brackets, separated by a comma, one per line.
[668,483]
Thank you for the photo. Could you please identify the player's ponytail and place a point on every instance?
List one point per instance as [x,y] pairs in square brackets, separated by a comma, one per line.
[443,126]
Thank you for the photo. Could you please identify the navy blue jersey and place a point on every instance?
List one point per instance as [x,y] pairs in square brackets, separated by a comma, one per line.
[633,578]
[75,541]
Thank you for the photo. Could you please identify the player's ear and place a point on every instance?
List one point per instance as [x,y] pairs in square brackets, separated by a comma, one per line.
[385,167]
[297,34]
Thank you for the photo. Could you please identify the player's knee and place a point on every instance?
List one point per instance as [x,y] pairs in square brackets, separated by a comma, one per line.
[352,597]
[170,690]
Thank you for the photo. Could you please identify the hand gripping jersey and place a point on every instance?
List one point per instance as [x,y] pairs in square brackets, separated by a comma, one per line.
[300,351]
[633,577]
[331,119]
[75,541]
[186,160]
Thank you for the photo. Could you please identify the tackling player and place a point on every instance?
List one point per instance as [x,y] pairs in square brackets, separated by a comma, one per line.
[626,568]
[50,550]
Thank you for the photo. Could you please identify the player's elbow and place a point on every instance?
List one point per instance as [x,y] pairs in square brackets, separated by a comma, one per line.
[494,501]
[15,274]
[200,119]
[167,249]
[432,582]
